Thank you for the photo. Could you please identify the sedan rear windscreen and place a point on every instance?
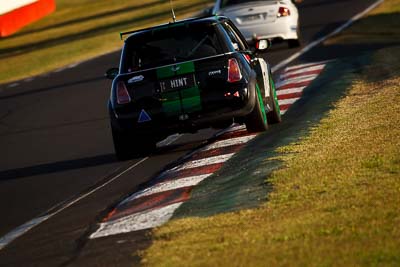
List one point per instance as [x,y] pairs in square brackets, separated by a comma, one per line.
[226,3]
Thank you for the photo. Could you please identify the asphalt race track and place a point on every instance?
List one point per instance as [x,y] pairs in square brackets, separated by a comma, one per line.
[57,155]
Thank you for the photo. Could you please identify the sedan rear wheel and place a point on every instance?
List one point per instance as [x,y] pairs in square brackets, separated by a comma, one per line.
[293,43]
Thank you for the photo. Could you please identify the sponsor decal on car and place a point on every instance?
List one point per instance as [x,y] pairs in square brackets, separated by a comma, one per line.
[136,79]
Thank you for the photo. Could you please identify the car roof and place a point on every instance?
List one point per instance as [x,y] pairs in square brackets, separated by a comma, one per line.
[196,21]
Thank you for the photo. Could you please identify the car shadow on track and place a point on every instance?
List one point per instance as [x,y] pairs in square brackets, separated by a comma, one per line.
[55,167]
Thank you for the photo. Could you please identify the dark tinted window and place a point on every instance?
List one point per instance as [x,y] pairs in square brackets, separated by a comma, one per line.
[176,43]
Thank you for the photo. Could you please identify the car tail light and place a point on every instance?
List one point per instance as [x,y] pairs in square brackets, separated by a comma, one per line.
[122,94]
[234,74]
[283,12]
[248,58]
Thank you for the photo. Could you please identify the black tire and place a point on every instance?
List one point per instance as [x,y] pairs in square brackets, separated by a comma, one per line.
[256,121]
[128,145]
[293,43]
[274,116]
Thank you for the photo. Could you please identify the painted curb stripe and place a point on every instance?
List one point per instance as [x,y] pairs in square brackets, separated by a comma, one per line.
[304,70]
[165,176]
[290,82]
[288,101]
[284,107]
[306,65]
[167,186]
[151,202]
[203,162]
[230,142]
[300,84]
[290,91]
[216,152]
[295,75]
[290,96]
[136,222]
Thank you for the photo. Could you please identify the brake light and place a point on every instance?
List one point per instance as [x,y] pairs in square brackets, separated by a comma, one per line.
[248,58]
[234,74]
[122,94]
[283,12]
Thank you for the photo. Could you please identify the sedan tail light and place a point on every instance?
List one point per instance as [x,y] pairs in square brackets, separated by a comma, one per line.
[283,12]
[234,74]
[122,94]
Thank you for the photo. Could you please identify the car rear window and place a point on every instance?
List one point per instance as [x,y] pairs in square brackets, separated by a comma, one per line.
[175,43]
[226,3]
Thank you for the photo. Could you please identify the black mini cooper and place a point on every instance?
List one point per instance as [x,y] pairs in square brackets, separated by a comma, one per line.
[185,76]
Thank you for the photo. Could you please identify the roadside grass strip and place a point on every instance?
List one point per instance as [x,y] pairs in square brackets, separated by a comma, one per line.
[155,204]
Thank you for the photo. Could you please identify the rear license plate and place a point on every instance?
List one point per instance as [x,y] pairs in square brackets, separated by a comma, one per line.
[251,18]
[177,83]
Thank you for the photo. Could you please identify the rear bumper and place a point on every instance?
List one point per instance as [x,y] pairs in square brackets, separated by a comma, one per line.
[162,126]
[282,28]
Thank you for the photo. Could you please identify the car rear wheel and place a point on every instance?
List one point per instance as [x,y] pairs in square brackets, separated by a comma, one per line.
[273,116]
[293,43]
[128,145]
[256,121]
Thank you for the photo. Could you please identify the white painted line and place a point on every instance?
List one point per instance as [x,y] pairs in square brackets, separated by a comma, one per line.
[201,162]
[306,78]
[229,142]
[290,91]
[13,85]
[288,101]
[11,236]
[17,232]
[167,186]
[322,39]
[137,221]
[14,234]
[27,80]
[300,71]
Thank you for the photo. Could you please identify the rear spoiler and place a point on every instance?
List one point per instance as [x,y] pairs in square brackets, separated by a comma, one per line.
[121,34]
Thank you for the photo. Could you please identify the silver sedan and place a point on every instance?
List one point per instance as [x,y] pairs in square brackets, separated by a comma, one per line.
[263,19]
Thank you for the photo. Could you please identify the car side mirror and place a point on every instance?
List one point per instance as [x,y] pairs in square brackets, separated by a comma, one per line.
[111,73]
[262,45]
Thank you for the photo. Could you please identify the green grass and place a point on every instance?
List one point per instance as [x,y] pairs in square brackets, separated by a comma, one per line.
[82,29]
[336,200]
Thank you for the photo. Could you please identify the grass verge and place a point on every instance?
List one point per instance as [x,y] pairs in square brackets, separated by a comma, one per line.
[81,29]
[336,201]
